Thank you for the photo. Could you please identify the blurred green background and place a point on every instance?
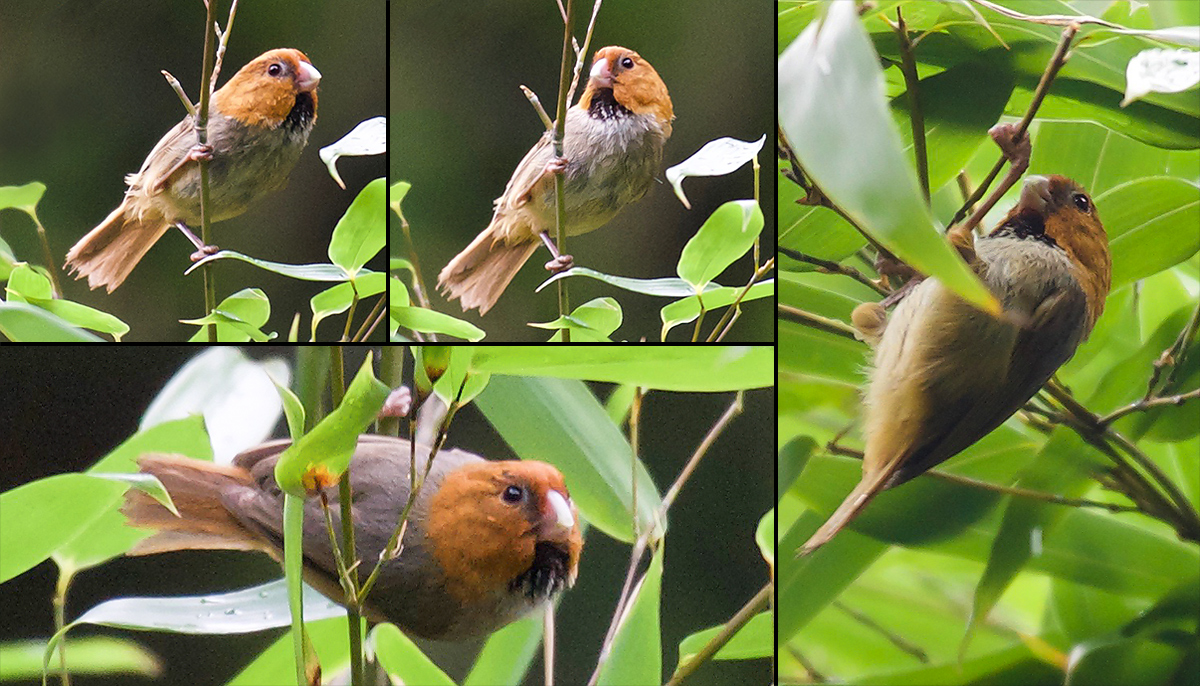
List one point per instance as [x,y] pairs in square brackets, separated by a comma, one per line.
[65,411]
[82,103]
[459,125]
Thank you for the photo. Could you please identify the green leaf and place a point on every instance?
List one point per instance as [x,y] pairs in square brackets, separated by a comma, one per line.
[686,310]
[764,536]
[562,423]
[755,640]
[331,443]
[404,660]
[329,634]
[636,654]
[93,655]
[360,233]
[337,299]
[959,106]
[22,322]
[507,654]
[831,107]
[24,198]
[725,236]
[235,395]
[1151,225]
[424,320]
[592,321]
[1062,468]
[396,196]
[25,284]
[668,368]
[238,318]
[38,518]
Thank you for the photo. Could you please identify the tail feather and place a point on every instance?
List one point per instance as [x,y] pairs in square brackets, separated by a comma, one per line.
[851,507]
[108,253]
[203,522]
[481,272]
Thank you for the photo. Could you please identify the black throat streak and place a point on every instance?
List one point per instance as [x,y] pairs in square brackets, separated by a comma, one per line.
[1026,225]
[605,106]
[301,115]
[546,576]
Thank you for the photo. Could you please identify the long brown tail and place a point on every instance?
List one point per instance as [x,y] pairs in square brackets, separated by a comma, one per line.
[107,253]
[868,488]
[481,272]
[203,522]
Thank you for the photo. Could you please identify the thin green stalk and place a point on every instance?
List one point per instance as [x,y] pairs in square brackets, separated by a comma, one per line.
[560,126]
[210,285]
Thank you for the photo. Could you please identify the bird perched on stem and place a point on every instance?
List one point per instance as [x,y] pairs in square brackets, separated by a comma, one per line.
[486,542]
[258,125]
[946,374]
[612,149]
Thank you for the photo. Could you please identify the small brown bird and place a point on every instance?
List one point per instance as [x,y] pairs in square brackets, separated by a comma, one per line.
[946,374]
[613,146]
[258,125]
[487,542]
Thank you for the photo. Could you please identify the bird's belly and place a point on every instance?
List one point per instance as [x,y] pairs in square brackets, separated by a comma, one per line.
[245,168]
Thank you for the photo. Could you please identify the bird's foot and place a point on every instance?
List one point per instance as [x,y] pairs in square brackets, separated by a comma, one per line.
[1017,152]
[558,165]
[203,252]
[560,263]
[200,151]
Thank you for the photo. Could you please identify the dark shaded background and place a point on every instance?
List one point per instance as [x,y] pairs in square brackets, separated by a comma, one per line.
[459,125]
[82,103]
[63,411]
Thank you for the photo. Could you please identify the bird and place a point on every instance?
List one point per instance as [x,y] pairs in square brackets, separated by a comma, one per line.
[946,374]
[487,542]
[258,124]
[612,149]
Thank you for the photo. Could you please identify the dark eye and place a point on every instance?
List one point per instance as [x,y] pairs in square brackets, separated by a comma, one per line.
[513,494]
[627,62]
[275,69]
[1082,202]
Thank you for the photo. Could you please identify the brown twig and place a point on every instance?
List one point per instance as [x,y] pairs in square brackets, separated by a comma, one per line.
[1056,62]
[734,625]
[1158,488]
[831,267]
[834,449]
[815,321]
[640,545]
[1147,403]
[1170,358]
[731,315]
[908,66]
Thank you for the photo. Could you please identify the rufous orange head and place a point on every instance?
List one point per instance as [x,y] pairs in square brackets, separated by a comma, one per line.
[276,87]
[633,83]
[505,525]
[1061,210]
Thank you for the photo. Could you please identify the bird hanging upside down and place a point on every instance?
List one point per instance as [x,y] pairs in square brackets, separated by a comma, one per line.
[945,374]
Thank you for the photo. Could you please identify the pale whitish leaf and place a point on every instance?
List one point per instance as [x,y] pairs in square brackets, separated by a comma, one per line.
[665,287]
[1160,71]
[306,272]
[368,138]
[716,158]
